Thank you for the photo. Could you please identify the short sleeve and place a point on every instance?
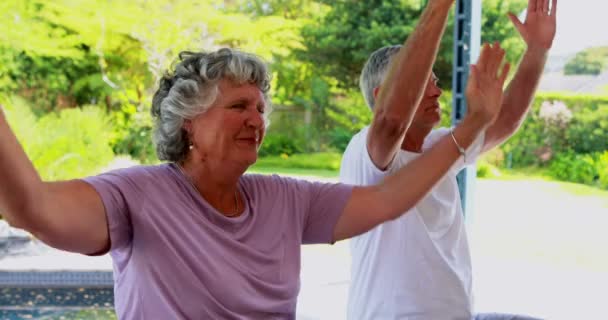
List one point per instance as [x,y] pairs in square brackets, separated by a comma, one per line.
[120,196]
[357,167]
[326,204]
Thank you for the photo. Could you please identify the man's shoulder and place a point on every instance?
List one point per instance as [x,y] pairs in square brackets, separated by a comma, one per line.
[357,141]
[357,166]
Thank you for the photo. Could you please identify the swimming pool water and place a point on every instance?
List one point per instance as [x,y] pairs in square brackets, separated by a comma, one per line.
[57,303]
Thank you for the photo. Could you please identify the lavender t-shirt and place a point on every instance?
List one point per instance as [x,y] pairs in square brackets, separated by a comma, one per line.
[176,257]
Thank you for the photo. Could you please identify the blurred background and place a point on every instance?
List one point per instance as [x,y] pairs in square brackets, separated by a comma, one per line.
[77,78]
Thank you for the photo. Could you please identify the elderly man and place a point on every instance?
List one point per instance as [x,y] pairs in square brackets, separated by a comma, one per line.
[418,266]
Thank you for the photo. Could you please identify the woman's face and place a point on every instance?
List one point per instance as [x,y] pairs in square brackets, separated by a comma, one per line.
[232,129]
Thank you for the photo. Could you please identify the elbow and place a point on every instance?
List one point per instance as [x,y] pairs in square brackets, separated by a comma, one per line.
[26,215]
[16,215]
[23,218]
[392,125]
[14,223]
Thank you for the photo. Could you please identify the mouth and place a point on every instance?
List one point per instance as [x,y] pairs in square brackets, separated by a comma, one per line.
[251,140]
[433,106]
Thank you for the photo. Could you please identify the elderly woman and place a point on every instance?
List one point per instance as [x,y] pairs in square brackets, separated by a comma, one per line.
[196,238]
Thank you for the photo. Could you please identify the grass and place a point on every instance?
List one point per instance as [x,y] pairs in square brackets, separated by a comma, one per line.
[295,171]
[531,173]
[324,161]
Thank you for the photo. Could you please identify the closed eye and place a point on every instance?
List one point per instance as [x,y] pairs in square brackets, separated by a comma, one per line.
[238,106]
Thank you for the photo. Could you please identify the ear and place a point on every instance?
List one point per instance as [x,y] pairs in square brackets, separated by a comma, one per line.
[376,91]
[188,128]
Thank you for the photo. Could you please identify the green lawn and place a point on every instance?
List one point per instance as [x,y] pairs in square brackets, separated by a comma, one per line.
[295,171]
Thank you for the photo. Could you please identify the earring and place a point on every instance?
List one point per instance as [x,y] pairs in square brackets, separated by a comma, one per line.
[190,146]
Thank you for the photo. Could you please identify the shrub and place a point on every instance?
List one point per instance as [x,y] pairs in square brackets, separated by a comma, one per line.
[494,157]
[602,169]
[580,168]
[339,139]
[545,134]
[62,145]
[487,170]
[132,128]
[588,132]
[277,144]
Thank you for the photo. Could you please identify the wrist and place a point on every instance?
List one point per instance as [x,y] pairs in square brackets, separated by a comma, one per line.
[537,50]
[476,120]
[474,123]
[466,132]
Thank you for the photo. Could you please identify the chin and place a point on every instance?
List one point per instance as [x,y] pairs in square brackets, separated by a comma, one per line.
[251,158]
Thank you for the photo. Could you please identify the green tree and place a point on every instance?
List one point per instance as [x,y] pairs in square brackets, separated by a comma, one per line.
[288,9]
[588,62]
[339,42]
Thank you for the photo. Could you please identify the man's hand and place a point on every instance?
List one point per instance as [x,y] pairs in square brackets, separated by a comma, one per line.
[538,30]
[484,91]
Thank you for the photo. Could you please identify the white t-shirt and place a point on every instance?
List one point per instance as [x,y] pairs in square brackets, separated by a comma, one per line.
[417,266]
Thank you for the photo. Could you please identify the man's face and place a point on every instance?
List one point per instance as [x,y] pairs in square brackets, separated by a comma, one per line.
[428,113]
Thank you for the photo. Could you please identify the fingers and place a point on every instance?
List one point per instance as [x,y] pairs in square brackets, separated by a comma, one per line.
[490,61]
[539,6]
[505,73]
[473,82]
[531,6]
[495,59]
[546,6]
[553,8]
[483,57]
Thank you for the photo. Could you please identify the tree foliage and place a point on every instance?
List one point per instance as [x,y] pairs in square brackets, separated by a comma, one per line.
[339,42]
[110,53]
[588,62]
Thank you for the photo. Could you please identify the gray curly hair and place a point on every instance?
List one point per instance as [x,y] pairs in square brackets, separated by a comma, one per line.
[192,87]
[374,72]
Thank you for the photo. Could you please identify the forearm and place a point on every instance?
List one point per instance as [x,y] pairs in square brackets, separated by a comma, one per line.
[20,181]
[410,70]
[518,97]
[520,92]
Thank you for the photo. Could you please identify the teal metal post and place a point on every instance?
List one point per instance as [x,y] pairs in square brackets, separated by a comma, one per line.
[467,41]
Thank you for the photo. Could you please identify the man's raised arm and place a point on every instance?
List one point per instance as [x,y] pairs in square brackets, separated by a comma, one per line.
[404,85]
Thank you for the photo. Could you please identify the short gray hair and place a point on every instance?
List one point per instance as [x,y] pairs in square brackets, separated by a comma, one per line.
[192,87]
[374,71]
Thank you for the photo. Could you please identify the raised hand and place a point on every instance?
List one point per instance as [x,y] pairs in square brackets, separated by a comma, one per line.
[538,30]
[484,90]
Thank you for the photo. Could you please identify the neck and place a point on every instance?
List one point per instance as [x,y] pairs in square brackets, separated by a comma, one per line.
[219,187]
[414,138]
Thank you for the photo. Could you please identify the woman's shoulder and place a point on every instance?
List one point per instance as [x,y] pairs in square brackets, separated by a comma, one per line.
[141,173]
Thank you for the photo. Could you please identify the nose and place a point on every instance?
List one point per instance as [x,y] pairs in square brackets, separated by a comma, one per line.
[434,90]
[255,119]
